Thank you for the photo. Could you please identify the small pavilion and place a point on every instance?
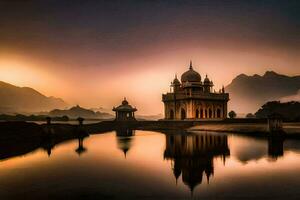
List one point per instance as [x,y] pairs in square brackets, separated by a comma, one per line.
[124,112]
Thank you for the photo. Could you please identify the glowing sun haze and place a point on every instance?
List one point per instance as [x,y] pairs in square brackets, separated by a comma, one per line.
[94,53]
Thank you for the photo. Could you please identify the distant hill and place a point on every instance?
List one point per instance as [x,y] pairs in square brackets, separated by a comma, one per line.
[248,93]
[102,110]
[138,117]
[15,99]
[78,111]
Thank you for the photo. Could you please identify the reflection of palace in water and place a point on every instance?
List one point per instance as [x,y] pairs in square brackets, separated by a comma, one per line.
[124,139]
[192,156]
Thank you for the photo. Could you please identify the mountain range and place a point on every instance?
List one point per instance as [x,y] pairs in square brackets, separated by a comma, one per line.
[249,93]
[78,111]
[15,99]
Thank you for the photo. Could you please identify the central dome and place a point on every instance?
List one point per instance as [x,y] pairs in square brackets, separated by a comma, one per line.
[190,75]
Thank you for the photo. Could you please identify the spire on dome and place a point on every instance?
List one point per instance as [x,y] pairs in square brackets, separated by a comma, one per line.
[124,102]
[175,82]
[190,75]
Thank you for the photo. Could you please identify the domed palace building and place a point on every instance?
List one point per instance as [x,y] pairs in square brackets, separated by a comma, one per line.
[194,99]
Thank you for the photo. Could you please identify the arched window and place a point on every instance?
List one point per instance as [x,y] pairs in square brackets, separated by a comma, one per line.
[218,113]
[197,113]
[183,114]
[201,113]
[171,114]
[210,113]
[206,113]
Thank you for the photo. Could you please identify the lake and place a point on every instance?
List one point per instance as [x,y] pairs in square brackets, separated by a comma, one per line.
[151,165]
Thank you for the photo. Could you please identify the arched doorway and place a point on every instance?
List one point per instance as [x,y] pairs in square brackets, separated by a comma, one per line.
[209,113]
[183,114]
[201,113]
[171,114]
[197,113]
[218,113]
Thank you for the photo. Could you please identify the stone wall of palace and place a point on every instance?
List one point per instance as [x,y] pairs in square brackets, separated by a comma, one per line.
[195,109]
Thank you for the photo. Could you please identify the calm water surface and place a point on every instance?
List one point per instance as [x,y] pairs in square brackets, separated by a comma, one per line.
[152,165]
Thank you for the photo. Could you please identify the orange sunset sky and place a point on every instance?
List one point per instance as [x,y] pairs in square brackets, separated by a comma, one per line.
[93,53]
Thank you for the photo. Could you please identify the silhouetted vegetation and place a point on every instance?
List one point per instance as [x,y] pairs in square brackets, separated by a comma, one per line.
[290,111]
[20,117]
[232,114]
[250,115]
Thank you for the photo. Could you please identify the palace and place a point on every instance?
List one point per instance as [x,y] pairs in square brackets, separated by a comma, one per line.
[192,99]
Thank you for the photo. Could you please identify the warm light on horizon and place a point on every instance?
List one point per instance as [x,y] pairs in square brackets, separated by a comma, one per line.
[142,83]
[96,64]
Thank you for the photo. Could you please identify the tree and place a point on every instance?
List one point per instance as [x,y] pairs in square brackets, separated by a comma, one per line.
[288,110]
[250,115]
[232,114]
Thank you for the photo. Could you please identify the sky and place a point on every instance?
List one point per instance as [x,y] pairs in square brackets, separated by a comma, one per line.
[94,53]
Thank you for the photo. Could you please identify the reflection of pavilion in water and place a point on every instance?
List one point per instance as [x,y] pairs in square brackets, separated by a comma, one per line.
[193,155]
[80,149]
[124,139]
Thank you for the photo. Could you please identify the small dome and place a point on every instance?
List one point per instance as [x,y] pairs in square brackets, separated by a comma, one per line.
[125,106]
[206,80]
[190,75]
[124,102]
[176,81]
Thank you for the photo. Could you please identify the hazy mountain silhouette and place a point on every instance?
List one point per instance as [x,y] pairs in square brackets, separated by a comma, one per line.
[15,99]
[249,93]
[78,111]
[102,110]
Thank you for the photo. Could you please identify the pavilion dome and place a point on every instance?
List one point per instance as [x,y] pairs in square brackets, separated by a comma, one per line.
[125,106]
[191,75]
[124,102]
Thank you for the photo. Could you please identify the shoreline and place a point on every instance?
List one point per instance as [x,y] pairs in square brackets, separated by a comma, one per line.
[291,130]
[19,138]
